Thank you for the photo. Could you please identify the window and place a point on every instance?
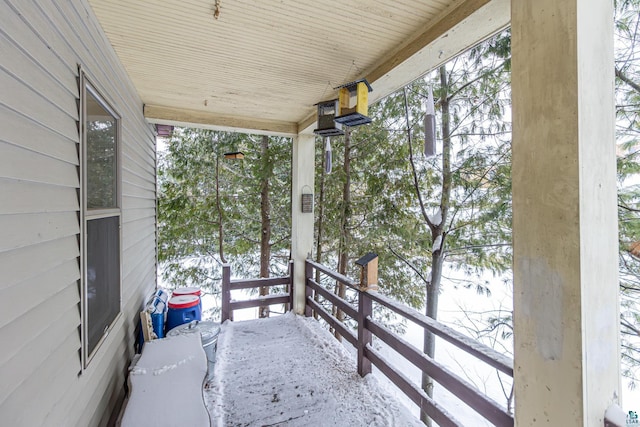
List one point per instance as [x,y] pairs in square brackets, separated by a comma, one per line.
[100,190]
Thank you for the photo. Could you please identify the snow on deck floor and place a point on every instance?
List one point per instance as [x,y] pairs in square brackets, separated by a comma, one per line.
[289,371]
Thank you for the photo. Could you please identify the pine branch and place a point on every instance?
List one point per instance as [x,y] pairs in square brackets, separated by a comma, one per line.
[473,190]
[622,76]
[478,78]
[632,359]
[628,208]
[628,325]
[470,247]
[447,177]
[409,264]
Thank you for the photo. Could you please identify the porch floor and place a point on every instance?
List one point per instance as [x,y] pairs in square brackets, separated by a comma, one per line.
[289,371]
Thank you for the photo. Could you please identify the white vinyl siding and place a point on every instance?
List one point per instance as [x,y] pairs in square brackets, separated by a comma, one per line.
[41,45]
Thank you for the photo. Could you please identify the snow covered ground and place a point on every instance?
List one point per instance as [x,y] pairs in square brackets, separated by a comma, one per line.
[289,371]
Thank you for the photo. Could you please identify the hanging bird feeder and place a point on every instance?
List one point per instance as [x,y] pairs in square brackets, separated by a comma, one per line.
[353,100]
[326,114]
[327,155]
[430,126]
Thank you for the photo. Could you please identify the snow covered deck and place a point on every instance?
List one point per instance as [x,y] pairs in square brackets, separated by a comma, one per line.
[289,371]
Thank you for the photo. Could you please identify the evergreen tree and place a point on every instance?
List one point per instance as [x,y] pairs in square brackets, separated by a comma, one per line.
[418,213]
[210,208]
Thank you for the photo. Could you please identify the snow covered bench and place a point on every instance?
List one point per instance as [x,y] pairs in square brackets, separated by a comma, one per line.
[167,384]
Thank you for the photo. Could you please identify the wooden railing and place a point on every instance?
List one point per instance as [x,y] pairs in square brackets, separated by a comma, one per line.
[614,416]
[228,285]
[367,355]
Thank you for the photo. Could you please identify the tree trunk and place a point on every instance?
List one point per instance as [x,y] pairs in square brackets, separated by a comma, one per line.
[438,236]
[429,348]
[265,215]
[345,237]
[220,214]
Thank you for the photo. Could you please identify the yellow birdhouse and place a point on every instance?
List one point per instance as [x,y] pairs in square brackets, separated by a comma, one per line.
[353,103]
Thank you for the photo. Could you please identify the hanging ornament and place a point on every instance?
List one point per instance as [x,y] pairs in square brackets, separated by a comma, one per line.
[327,155]
[430,126]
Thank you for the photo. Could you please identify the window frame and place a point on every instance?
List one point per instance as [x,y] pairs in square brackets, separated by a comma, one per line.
[87,88]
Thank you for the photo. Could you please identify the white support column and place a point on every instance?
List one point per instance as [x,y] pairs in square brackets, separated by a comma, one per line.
[302,224]
[566,312]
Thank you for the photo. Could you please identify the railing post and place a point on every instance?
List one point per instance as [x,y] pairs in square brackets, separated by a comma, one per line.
[365,309]
[226,293]
[290,287]
[368,281]
[308,292]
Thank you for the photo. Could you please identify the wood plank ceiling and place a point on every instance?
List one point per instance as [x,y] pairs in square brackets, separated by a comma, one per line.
[261,65]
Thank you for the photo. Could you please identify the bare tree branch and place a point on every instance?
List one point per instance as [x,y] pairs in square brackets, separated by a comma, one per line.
[622,76]
[409,264]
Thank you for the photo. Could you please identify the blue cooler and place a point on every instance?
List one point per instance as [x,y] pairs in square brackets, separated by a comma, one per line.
[183,309]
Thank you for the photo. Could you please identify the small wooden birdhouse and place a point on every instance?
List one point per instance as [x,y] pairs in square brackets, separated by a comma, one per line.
[234,155]
[368,272]
[327,111]
[353,99]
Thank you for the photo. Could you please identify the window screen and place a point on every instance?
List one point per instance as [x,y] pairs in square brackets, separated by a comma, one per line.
[103,276]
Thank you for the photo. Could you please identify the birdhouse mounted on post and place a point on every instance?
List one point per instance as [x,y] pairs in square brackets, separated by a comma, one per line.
[356,93]
[368,272]
[327,111]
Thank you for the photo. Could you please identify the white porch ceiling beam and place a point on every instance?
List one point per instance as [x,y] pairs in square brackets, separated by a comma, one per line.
[203,119]
[464,25]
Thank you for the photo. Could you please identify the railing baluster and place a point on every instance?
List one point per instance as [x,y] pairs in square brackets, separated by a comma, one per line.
[289,306]
[344,305]
[365,310]
[226,292]
[342,329]
[438,413]
[229,285]
[308,292]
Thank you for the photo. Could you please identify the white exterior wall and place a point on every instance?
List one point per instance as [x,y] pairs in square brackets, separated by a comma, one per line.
[302,224]
[41,378]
